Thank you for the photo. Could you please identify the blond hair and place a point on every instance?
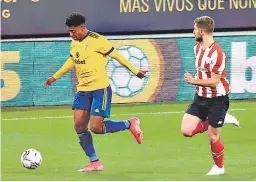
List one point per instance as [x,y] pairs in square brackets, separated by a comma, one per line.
[206,23]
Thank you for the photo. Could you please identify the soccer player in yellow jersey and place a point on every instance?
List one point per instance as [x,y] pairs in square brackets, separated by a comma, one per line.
[88,54]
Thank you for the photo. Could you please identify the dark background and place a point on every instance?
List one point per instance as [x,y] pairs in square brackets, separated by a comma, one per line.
[46,18]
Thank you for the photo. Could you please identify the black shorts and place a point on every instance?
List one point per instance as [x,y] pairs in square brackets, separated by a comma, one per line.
[214,109]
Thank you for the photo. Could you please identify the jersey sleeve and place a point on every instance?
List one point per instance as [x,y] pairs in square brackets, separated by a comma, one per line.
[219,62]
[105,46]
[68,65]
[122,60]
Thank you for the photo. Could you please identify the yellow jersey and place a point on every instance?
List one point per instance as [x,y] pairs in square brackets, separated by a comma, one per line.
[89,57]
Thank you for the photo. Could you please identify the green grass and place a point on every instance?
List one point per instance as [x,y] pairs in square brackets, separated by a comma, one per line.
[164,155]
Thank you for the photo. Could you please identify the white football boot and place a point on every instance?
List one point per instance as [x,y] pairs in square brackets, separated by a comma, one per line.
[216,171]
[229,119]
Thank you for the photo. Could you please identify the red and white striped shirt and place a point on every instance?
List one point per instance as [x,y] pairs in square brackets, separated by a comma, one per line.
[212,59]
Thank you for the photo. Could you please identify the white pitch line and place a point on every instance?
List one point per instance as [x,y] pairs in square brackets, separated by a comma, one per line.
[37,118]
[113,115]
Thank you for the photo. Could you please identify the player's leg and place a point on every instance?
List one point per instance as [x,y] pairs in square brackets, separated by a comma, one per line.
[194,120]
[216,120]
[82,118]
[101,107]
[229,119]
[81,107]
[99,126]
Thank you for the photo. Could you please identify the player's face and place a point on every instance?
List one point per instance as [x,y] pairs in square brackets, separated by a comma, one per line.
[198,33]
[76,33]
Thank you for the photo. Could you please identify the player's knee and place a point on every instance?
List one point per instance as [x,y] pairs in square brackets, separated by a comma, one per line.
[96,129]
[80,128]
[80,121]
[186,132]
[213,137]
[96,125]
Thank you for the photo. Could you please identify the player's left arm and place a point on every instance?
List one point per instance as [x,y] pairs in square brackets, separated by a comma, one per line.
[108,50]
[216,74]
[122,60]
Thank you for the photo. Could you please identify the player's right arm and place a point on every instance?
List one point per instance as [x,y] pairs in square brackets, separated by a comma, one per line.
[68,65]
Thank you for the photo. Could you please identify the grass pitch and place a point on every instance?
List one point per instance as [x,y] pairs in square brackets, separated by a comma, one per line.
[164,155]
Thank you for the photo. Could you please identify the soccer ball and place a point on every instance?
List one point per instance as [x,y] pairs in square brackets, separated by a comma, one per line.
[123,82]
[31,159]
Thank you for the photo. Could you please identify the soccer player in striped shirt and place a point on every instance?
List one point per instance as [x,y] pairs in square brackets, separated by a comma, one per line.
[211,102]
[88,54]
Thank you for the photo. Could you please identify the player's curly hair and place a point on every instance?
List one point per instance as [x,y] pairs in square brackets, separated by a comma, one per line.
[75,19]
